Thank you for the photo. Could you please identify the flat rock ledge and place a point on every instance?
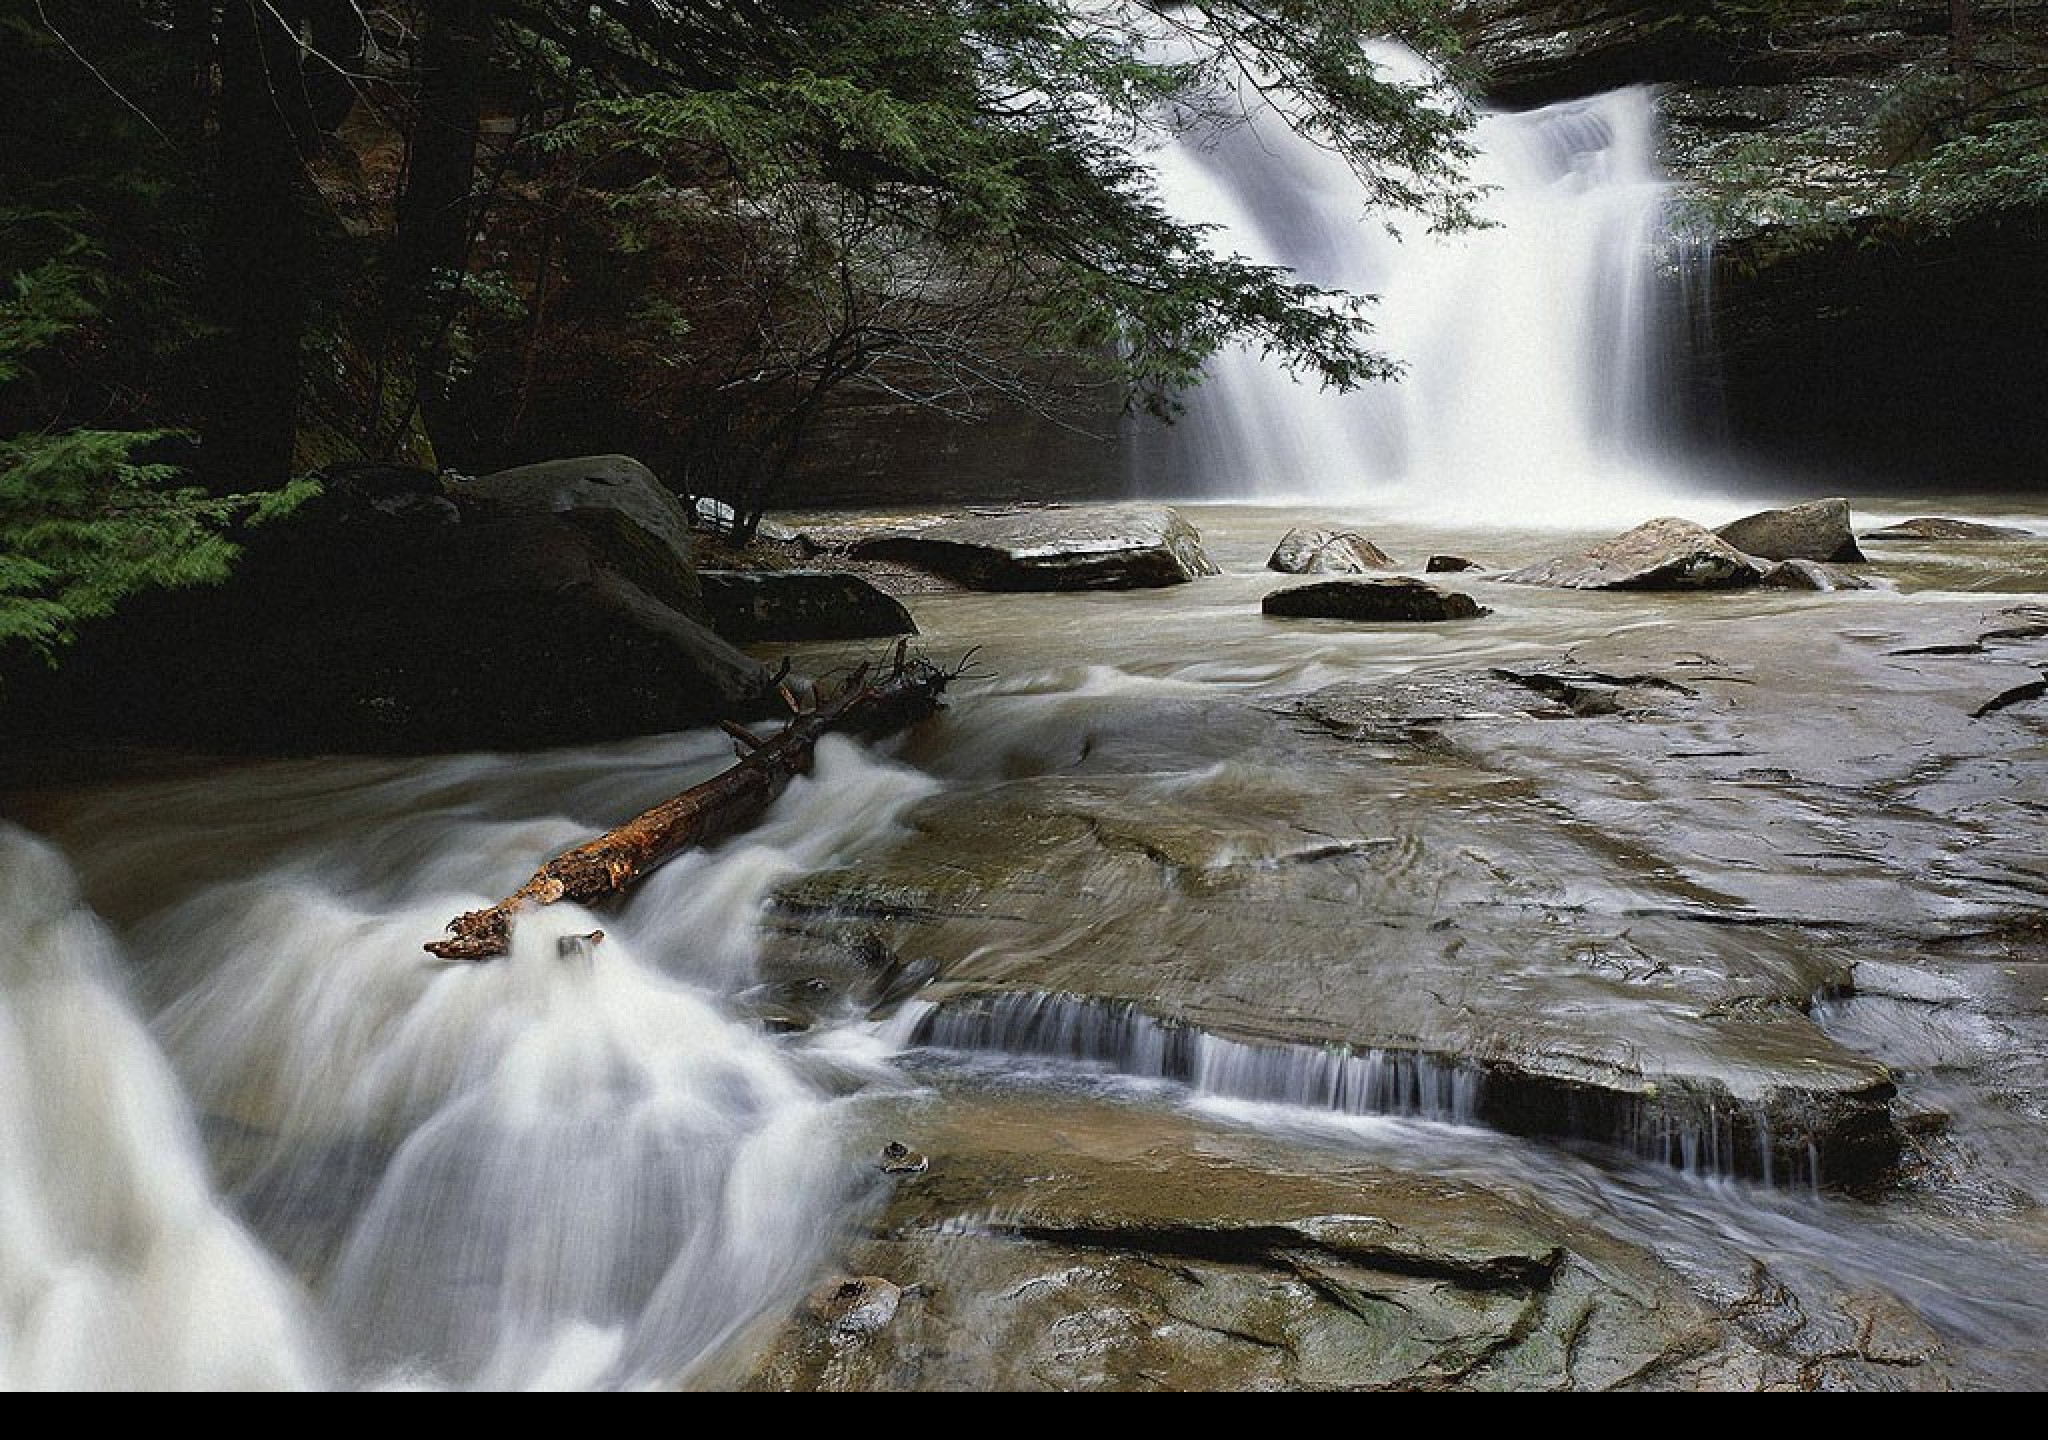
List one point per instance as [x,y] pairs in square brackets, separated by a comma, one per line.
[1104,547]
[1804,1125]
[1113,1250]
[1937,527]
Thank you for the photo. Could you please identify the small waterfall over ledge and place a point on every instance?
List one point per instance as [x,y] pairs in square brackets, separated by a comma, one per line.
[1541,355]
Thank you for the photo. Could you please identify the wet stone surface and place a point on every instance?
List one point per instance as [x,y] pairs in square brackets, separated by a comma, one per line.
[1599,896]
[1109,1248]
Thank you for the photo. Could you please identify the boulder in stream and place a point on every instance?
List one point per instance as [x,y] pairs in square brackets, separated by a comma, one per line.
[1097,547]
[750,605]
[1819,530]
[1938,527]
[1327,552]
[401,613]
[1393,598]
[1663,554]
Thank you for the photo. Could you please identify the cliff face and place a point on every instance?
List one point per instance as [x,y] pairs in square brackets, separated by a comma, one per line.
[1842,331]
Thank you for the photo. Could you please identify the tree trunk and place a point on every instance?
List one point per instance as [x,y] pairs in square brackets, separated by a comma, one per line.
[287,81]
[706,813]
[259,251]
[436,210]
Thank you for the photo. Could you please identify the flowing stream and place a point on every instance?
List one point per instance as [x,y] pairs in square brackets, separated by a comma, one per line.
[251,1136]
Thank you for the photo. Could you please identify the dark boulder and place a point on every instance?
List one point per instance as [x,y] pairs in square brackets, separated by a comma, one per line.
[1395,598]
[1102,547]
[748,605]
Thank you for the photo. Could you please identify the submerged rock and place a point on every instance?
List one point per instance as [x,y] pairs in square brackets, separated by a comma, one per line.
[749,605]
[1395,599]
[1664,554]
[1817,531]
[1327,552]
[1103,547]
[1936,527]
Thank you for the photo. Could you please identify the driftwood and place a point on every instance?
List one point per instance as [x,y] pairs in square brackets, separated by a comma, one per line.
[704,814]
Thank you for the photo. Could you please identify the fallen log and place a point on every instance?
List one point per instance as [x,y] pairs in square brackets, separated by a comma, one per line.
[704,814]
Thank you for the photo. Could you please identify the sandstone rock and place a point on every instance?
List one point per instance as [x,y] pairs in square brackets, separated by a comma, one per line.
[1100,1248]
[1327,552]
[1936,527]
[1103,547]
[1664,554]
[1816,531]
[1391,599]
[643,527]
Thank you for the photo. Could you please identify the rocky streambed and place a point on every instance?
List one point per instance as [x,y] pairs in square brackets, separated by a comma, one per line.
[1738,887]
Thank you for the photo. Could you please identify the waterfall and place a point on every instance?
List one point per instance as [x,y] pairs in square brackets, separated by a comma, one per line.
[1539,353]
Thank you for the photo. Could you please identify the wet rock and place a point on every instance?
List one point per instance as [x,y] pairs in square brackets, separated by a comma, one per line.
[1818,531]
[1585,693]
[1711,1064]
[1538,51]
[1811,575]
[1398,599]
[1596,897]
[900,1159]
[1105,547]
[1936,527]
[1103,1248]
[1449,565]
[1663,554]
[1327,552]
[749,605]
[859,1306]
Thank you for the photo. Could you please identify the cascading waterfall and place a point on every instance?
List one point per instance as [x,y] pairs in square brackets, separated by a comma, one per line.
[1540,354]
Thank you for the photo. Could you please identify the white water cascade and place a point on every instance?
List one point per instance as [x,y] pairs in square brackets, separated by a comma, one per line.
[258,1140]
[1538,353]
